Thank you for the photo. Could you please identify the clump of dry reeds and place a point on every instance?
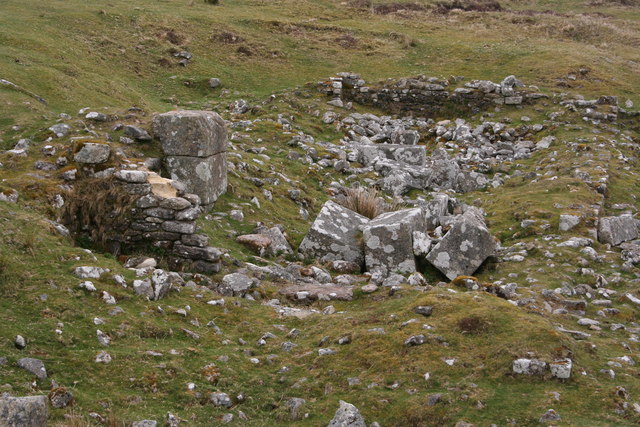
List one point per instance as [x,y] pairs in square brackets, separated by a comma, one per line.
[367,202]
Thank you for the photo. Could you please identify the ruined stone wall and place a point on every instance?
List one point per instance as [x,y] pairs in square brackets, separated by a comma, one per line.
[164,217]
[431,97]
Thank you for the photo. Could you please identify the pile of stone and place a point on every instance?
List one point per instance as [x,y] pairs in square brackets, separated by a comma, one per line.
[401,241]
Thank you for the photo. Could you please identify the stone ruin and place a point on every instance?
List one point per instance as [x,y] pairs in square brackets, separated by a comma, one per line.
[161,213]
[428,97]
[451,237]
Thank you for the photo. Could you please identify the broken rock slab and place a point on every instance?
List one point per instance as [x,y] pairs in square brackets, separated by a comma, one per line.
[407,154]
[464,248]
[389,241]
[335,235]
[617,229]
[314,291]
[29,411]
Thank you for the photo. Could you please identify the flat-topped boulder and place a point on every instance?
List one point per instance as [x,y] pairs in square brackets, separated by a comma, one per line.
[336,234]
[190,133]
[29,411]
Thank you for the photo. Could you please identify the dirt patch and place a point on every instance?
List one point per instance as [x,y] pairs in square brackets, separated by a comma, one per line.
[227,37]
[468,6]
[386,9]
[172,36]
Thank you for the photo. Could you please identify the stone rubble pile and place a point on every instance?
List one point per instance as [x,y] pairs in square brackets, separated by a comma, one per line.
[399,241]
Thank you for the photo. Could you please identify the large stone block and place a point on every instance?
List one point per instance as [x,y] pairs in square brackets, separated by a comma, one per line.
[30,411]
[464,248]
[335,235]
[388,241]
[205,177]
[408,154]
[617,229]
[190,133]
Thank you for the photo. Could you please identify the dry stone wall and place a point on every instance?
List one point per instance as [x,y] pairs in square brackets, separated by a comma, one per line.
[427,97]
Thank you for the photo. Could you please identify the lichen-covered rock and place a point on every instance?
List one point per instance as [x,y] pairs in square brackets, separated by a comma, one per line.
[35,366]
[315,291]
[29,411]
[203,176]
[279,244]
[237,284]
[92,153]
[190,133]
[464,248]
[335,235]
[617,229]
[408,154]
[529,367]
[347,415]
[561,368]
[388,241]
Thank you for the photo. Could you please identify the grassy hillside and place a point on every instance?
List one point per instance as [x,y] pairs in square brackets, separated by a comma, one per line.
[113,55]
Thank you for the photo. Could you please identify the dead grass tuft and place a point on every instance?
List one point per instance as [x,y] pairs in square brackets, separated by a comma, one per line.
[367,202]
[472,325]
[97,208]
[468,6]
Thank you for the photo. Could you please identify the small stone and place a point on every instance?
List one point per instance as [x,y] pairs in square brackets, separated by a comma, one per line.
[20,342]
[103,357]
[425,310]
[214,82]
[550,415]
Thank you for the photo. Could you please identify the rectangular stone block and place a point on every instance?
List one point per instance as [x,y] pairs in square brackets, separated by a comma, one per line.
[335,235]
[388,241]
[205,177]
[190,133]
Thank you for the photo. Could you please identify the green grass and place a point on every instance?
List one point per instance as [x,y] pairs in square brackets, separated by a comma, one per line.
[118,54]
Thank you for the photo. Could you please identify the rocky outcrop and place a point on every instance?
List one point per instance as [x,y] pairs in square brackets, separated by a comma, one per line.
[30,411]
[195,145]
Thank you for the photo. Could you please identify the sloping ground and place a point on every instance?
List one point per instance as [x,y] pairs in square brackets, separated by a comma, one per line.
[117,54]
[120,53]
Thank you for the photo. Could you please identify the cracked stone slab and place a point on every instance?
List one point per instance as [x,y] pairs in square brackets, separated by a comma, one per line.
[388,241]
[617,229]
[464,248]
[407,154]
[335,235]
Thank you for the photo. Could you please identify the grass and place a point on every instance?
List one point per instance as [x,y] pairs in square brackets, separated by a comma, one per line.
[111,56]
